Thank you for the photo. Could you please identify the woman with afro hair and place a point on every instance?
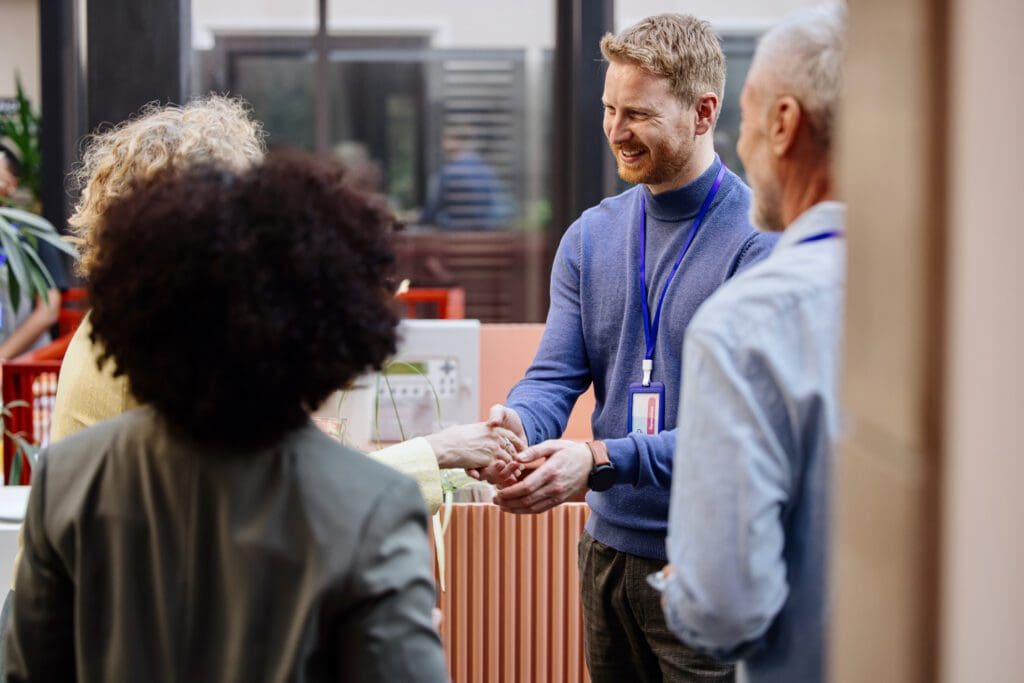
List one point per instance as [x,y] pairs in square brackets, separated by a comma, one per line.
[214,533]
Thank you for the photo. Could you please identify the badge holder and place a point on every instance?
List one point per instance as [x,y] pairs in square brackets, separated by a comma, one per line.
[646,406]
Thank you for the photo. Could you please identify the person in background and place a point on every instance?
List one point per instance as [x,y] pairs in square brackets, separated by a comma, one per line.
[28,326]
[214,533]
[220,130]
[627,277]
[465,193]
[759,414]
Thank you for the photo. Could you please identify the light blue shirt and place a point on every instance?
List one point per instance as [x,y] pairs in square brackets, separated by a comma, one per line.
[758,418]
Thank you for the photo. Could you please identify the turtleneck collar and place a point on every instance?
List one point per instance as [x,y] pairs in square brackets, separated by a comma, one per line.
[683,203]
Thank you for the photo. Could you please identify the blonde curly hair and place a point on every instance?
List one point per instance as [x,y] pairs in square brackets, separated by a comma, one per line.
[213,129]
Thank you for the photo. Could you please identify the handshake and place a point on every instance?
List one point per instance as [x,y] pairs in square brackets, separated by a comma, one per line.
[529,479]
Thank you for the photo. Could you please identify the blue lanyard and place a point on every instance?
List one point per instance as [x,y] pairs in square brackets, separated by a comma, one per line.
[827,235]
[651,329]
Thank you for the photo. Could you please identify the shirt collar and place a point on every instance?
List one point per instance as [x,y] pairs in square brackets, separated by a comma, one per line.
[683,202]
[828,215]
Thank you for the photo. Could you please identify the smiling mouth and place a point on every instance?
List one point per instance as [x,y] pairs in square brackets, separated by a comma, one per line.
[631,156]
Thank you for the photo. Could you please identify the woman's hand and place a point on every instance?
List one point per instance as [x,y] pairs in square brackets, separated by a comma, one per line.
[474,446]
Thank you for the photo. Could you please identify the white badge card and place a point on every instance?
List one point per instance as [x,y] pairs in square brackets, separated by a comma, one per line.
[646,408]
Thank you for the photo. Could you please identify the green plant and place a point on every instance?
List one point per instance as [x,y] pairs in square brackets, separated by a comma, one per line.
[22,128]
[20,235]
[23,450]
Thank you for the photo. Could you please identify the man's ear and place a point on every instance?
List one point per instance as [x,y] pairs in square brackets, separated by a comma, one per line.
[707,113]
[784,121]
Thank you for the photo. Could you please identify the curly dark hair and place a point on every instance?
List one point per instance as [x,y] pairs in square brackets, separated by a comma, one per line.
[235,302]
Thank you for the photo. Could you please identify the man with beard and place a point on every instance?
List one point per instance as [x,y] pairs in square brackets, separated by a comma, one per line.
[627,278]
[760,409]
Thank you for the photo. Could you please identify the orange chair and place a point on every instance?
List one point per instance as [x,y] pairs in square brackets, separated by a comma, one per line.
[450,302]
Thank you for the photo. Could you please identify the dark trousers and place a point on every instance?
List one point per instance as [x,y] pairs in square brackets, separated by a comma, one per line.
[625,637]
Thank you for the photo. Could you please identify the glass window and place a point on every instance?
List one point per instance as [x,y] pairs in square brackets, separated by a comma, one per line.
[280,90]
[443,108]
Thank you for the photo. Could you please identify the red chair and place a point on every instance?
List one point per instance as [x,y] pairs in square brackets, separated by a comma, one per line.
[450,303]
[74,304]
[31,381]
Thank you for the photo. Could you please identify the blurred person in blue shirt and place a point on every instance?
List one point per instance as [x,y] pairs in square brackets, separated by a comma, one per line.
[759,413]
[466,193]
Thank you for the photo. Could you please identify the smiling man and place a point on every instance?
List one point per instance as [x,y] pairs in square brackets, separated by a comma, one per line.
[628,275]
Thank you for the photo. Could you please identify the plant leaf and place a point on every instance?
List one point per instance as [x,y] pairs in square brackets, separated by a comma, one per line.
[40,274]
[15,479]
[28,218]
[38,227]
[52,239]
[13,288]
[29,451]
[16,263]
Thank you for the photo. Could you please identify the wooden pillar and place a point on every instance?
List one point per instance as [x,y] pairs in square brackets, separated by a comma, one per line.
[892,165]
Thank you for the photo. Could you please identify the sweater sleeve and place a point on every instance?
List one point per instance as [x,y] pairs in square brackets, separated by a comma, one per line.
[560,371]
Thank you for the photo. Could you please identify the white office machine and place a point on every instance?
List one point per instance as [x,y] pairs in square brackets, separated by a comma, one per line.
[437,367]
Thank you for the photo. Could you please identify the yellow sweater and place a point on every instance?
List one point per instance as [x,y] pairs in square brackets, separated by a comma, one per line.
[86,395]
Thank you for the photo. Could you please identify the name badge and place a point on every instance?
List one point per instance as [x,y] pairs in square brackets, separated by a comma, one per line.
[646,408]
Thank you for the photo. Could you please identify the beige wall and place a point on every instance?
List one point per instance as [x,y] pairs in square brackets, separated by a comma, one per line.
[19,47]
[724,14]
[983,558]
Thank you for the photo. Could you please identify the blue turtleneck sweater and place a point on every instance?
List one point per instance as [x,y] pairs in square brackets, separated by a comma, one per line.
[594,333]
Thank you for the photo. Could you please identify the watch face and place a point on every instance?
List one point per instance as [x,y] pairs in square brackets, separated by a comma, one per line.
[602,478]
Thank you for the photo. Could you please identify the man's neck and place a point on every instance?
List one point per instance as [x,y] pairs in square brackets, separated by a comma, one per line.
[700,161]
[808,185]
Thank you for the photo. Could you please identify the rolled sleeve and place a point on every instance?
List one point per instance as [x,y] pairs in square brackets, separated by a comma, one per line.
[415,458]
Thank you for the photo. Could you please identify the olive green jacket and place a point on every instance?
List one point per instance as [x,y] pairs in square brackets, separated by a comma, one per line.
[149,557]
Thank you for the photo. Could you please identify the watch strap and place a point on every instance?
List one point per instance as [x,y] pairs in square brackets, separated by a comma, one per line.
[599,452]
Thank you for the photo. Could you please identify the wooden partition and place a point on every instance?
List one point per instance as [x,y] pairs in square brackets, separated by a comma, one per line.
[511,608]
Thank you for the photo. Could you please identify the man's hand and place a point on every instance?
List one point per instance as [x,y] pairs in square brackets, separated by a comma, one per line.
[474,446]
[562,477]
[499,473]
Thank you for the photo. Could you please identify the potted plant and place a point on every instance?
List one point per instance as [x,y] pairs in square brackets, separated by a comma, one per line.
[21,231]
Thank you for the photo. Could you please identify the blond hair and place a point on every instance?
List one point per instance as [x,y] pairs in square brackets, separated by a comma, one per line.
[214,129]
[679,47]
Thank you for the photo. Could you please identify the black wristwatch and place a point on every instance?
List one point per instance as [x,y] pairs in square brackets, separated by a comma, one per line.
[602,477]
